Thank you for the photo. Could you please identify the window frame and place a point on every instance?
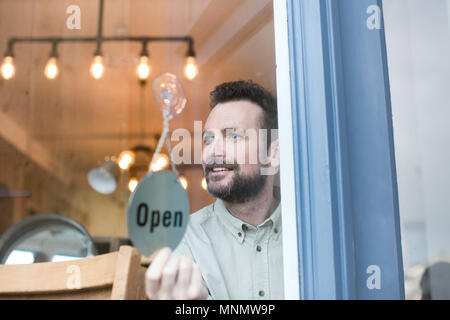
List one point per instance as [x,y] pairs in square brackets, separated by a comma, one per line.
[336,139]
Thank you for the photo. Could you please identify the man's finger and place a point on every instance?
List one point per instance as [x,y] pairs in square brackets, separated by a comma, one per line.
[169,277]
[184,278]
[154,272]
[154,254]
[196,289]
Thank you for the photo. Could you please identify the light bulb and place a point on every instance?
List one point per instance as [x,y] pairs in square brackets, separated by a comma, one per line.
[51,69]
[204,184]
[143,69]
[191,69]
[97,67]
[126,159]
[132,184]
[184,182]
[7,69]
[169,95]
[161,162]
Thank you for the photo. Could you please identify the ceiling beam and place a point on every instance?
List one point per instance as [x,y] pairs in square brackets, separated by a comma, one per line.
[239,26]
[19,138]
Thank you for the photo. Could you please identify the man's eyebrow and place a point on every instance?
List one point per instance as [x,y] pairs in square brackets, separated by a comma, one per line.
[223,130]
[205,131]
[232,129]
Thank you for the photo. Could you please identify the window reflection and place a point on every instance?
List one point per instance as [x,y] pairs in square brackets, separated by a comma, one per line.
[20,257]
[418,46]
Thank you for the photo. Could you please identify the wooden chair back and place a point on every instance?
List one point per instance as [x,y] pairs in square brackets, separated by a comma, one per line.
[117,275]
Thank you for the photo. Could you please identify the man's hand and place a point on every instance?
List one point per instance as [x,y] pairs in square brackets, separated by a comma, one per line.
[171,276]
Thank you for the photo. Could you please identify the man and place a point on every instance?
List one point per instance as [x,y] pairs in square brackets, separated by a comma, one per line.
[232,248]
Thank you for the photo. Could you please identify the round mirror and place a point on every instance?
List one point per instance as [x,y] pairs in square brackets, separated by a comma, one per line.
[45,238]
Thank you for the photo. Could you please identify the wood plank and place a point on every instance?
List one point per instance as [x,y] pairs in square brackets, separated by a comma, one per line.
[126,279]
[51,277]
[103,293]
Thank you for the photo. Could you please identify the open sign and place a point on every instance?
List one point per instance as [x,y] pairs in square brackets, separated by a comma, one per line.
[158,212]
[168,219]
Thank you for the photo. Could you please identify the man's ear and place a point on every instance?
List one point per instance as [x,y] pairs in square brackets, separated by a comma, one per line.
[274,154]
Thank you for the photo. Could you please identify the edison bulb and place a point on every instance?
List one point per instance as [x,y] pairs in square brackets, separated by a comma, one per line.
[204,184]
[184,182]
[126,160]
[51,69]
[7,69]
[161,163]
[191,69]
[132,184]
[97,67]
[143,69]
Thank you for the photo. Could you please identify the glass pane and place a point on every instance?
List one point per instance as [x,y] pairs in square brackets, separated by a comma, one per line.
[418,46]
[70,110]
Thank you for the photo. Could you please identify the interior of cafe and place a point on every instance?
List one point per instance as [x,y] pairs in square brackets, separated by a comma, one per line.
[97,95]
[82,119]
[77,99]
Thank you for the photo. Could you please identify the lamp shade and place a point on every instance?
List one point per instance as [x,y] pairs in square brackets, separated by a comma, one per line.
[103,179]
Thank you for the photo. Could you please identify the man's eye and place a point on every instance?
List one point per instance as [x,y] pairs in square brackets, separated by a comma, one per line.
[207,139]
[235,136]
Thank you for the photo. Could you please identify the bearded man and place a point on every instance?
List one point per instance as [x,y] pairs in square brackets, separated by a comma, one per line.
[232,249]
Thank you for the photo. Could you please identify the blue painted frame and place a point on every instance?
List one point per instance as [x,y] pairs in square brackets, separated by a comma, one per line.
[346,187]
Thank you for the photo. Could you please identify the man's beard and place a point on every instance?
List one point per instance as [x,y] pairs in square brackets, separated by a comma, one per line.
[241,188]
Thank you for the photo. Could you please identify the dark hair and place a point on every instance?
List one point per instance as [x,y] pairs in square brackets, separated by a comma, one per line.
[249,91]
[435,281]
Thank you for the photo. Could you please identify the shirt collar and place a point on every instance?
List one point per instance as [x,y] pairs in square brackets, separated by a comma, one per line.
[237,227]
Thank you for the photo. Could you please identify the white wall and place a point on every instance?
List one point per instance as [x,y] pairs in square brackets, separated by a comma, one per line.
[418,44]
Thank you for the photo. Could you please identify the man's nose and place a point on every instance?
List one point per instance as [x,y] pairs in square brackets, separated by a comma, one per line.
[218,147]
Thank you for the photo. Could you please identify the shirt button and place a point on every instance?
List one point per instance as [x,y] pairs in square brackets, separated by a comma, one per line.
[239,234]
[275,230]
[261,293]
[258,248]
[244,227]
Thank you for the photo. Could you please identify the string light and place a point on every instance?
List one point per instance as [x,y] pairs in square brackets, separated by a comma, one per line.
[8,69]
[97,67]
[184,182]
[126,159]
[191,69]
[204,184]
[161,163]
[51,69]
[132,184]
[143,69]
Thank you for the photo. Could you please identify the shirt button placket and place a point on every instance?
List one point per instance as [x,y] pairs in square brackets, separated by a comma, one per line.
[261,277]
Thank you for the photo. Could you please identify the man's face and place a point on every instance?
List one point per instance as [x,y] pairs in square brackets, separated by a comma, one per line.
[230,157]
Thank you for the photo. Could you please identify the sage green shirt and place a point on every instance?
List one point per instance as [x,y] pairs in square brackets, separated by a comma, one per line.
[238,260]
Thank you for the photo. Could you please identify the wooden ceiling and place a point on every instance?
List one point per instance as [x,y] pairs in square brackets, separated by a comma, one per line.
[68,125]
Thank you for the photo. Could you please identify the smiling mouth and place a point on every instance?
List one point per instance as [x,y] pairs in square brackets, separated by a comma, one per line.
[216,169]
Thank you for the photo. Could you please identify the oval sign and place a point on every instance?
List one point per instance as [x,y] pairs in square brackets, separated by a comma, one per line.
[158,212]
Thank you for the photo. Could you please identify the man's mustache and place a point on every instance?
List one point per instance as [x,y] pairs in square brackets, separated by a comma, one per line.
[213,163]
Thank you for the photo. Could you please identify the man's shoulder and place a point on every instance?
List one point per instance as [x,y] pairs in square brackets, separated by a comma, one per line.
[201,216]
[198,225]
